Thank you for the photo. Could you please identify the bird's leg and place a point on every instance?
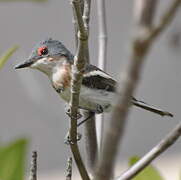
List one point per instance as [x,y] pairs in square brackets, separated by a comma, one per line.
[99,109]
[58,88]
[86,119]
[67,139]
[67,109]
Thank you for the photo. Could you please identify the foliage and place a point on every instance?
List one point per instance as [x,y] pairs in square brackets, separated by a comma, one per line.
[149,173]
[12,160]
[7,55]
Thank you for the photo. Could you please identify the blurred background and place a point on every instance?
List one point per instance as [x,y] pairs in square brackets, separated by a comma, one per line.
[30,108]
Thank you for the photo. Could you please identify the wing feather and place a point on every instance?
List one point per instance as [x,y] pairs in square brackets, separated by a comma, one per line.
[95,78]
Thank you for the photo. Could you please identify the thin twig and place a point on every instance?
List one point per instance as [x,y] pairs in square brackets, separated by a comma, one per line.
[86,14]
[102,57]
[166,19]
[162,146]
[89,127]
[74,21]
[130,80]
[144,13]
[77,72]
[90,141]
[115,130]
[69,169]
[86,18]
[102,28]
[33,170]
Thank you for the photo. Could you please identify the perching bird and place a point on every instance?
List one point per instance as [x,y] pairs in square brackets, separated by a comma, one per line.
[98,88]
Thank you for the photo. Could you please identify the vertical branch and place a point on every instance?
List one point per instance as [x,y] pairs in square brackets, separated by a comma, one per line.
[77,73]
[69,169]
[33,170]
[86,18]
[130,79]
[102,28]
[144,13]
[89,127]
[90,141]
[74,21]
[102,57]
[86,14]
[141,44]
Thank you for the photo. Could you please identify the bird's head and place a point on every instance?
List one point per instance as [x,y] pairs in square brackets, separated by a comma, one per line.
[46,55]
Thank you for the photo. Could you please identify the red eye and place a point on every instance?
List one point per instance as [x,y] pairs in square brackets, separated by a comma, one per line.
[42,51]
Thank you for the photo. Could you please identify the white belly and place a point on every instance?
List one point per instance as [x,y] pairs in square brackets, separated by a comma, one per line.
[90,98]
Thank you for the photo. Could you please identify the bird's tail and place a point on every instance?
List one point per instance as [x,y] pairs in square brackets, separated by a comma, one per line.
[151,108]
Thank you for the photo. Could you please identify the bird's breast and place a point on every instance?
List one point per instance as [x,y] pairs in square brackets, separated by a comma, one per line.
[61,78]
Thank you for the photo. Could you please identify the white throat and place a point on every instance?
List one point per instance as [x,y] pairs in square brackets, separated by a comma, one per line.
[49,66]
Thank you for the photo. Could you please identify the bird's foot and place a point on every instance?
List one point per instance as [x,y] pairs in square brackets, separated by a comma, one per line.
[69,114]
[91,114]
[59,88]
[68,141]
[99,109]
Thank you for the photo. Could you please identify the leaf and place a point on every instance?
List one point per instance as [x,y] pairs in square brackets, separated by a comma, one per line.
[149,173]
[7,55]
[12,160]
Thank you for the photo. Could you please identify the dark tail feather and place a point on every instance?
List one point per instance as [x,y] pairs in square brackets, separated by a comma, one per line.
[151,108]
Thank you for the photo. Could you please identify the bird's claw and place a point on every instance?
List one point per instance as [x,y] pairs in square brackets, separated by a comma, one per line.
[99,109]
[69,114]
[68,140]
[59,89]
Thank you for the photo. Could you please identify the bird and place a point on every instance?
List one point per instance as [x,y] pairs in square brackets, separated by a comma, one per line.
[98,88]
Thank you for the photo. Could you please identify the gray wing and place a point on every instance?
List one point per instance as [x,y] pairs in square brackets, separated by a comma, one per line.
[95,78]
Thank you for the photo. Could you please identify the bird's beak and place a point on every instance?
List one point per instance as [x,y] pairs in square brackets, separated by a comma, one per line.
[25,64]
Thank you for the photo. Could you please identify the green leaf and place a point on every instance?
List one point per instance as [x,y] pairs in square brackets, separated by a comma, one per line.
[7,55]
[12,160]
[149,173]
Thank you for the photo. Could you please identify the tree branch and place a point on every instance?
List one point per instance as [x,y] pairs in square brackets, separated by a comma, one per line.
[102,27]
[90,141]
[69,169]
[130,79]
[89,126]
[166,19]
[77,72]
[74,21]
[86,14]
[102,57]
[33,170]
[162,146]
[144,12]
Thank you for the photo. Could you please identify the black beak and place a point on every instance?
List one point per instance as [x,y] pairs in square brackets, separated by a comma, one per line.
[27,63]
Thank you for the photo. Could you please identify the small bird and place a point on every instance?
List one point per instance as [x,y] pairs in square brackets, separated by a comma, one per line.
[98,90]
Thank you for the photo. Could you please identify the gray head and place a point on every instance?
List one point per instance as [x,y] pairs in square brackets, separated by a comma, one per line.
[46,54]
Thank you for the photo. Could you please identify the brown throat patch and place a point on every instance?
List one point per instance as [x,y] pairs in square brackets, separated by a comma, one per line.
[62,77]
